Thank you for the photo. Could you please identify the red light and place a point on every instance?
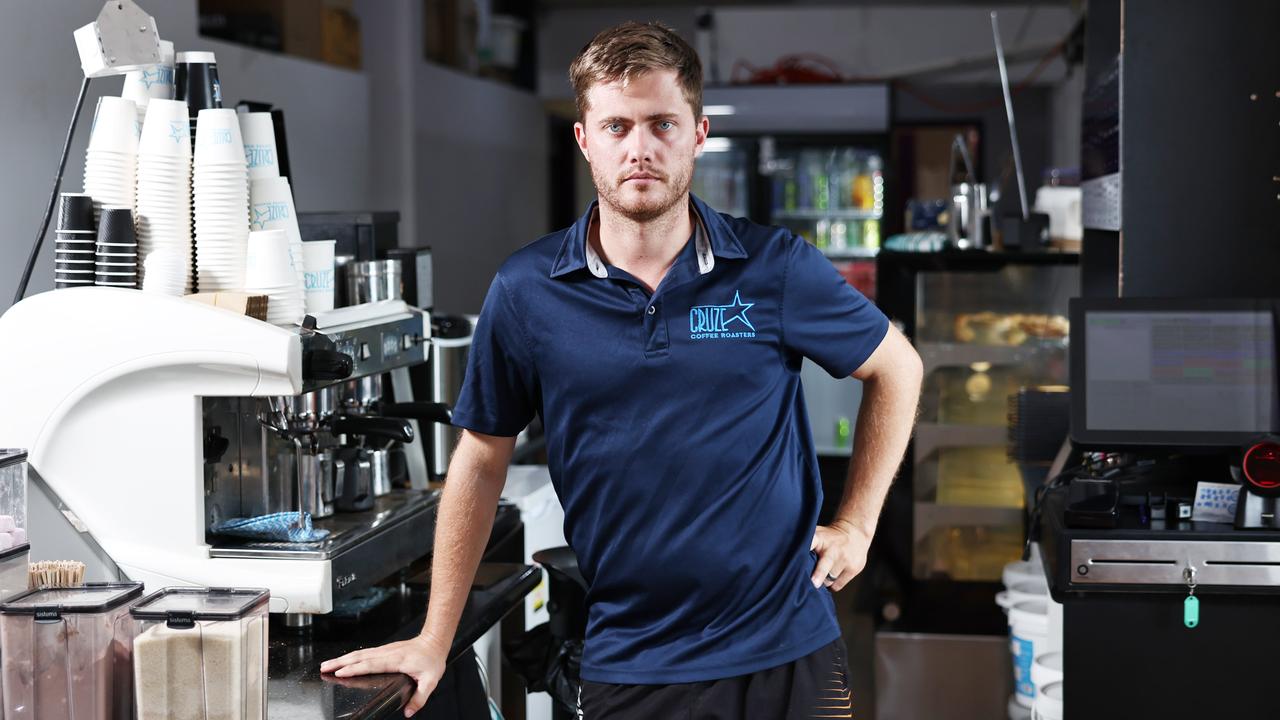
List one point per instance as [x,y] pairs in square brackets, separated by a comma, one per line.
[1262,466]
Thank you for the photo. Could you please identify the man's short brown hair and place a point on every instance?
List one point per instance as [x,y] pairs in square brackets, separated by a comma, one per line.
[631,49]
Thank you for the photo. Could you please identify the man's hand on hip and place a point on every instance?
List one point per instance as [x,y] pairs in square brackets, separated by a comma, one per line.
[842,554]
[420,658]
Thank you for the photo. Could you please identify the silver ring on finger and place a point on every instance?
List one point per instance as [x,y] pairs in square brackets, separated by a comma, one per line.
[831,578]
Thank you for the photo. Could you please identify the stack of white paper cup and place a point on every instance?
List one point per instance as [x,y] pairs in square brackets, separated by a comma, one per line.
[163,214]
[317,273]
[165,272]
[259,145]
[269,271]
[155,82]
[111,162]
[221,205]
[271,208]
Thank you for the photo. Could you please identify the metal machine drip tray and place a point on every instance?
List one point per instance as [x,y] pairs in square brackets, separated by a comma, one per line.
[400,511]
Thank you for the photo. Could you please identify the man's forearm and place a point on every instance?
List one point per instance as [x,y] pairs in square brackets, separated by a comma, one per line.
[464,521]
[885,420]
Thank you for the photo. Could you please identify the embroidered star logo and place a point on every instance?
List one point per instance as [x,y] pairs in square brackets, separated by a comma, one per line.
[741,313]
[713,322]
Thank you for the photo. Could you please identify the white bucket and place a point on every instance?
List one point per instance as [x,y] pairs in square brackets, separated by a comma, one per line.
[1016,572]
[1022,591]
[1046,670]
[1049,706]
[1016,711]
[1028,630]
[1054,641]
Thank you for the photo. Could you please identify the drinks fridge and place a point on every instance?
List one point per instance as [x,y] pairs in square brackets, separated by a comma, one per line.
[810,159]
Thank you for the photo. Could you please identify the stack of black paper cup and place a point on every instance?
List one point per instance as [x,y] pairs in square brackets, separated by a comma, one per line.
[195,82]
[117,251]
[75,247]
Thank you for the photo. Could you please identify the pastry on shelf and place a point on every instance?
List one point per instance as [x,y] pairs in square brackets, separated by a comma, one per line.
[988,328]
[1045,326]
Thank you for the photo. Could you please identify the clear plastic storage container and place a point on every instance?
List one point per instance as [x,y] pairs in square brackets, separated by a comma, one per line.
[201,654]
[66,653]
[13,498]
[15,564]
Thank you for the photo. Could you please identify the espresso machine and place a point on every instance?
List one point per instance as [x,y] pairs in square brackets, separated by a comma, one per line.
[153,421]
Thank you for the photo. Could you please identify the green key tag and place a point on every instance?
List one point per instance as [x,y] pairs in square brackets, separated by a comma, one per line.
[1191,611]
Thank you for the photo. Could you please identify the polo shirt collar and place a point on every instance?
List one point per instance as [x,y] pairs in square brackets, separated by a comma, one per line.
[713,238]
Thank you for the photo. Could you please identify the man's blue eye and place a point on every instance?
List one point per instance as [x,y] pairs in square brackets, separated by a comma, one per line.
[615,128]
[666,125]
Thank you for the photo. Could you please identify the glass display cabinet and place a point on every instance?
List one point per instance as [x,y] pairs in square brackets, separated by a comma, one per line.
[985,324]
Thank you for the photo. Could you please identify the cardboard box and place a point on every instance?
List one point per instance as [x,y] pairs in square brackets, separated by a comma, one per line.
[340,38]
[255,306]
[449,33]
[323,30]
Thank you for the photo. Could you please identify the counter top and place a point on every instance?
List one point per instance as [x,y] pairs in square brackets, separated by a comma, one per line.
[296,689]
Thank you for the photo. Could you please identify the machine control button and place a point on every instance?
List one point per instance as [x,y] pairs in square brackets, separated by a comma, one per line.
[325,365]
[390,346]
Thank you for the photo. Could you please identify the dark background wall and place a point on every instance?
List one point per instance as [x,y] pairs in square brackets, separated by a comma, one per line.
[1200,149]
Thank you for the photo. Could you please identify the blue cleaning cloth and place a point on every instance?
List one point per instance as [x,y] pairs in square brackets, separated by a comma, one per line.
[279,527]
[354,606]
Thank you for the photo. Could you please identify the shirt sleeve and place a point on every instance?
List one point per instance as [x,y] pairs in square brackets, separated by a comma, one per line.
[499,390]
[823,317]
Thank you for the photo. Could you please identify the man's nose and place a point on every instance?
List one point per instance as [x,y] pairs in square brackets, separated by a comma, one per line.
[640,146]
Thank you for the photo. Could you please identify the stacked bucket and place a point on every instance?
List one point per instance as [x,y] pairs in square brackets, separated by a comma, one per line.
[1035,640]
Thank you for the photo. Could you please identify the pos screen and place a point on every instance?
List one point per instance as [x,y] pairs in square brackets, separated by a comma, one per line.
[1172,372]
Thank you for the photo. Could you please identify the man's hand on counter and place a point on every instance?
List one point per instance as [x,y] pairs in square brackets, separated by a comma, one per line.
[422,658]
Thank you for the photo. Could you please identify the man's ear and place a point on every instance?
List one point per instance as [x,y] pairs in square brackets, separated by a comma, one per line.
[580,134]
[700,136]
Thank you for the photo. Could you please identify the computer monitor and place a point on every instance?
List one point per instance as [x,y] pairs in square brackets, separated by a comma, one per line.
[1172,372]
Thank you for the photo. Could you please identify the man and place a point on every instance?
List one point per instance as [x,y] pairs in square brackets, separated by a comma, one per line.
[661,344]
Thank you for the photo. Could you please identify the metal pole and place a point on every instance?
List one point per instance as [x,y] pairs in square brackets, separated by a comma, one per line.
[1008,109]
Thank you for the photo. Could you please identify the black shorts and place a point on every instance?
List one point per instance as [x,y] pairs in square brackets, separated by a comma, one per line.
[815,686]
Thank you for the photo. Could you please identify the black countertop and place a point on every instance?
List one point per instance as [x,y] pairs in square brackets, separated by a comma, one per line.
[296,689]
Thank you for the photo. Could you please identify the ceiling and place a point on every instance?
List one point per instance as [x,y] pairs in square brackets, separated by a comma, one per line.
[594,4]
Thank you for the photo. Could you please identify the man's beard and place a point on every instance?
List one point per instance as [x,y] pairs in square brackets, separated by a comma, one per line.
[667,191]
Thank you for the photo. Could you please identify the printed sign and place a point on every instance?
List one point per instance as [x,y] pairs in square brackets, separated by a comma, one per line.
[1215,502]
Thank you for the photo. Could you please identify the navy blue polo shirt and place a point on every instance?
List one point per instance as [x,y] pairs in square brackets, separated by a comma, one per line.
[677,436]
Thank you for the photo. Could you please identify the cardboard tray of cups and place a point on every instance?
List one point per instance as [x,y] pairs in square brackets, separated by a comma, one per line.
[254,306]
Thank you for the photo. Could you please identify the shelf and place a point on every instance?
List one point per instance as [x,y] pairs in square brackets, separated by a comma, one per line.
[936,354]
[850,253]
[832,214]
[930,437]
[930,515]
